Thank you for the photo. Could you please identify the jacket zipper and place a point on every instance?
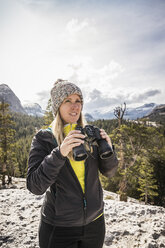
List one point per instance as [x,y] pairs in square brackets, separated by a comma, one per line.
[84,198]
[85,209]
[83,193]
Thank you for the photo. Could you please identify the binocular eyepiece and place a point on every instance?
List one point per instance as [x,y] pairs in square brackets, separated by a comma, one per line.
[93,136]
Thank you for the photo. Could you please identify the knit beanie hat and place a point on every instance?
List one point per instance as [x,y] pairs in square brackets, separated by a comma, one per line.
[61,90]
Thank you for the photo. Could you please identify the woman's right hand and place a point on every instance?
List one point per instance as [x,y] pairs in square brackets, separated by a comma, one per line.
[73,139]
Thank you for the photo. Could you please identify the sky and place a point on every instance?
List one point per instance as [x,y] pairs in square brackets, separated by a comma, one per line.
[114,50]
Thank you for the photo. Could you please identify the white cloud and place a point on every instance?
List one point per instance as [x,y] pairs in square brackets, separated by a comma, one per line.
[103,87]
[104,102]
[110,71]
[84,72]
[74,26]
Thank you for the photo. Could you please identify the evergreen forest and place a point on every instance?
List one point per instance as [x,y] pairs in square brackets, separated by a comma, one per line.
[140,149]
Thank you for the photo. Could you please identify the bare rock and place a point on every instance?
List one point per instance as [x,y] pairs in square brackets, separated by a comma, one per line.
[128,224]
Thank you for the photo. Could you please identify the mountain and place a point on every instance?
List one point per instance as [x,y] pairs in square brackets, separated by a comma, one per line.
[96,114]
[34,109]
[131,113]
[88,117]
[157,114]
[7,95]
[139,112]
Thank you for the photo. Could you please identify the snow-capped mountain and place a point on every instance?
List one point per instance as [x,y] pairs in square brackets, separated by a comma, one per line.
[131,113]
[99,115]
[34,109]
[139,112]
[88,117]
[7,95]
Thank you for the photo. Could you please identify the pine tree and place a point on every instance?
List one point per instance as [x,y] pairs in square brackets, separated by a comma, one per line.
[22,148]
[6,141]
[147,182]
[48,116]
[119,113]
[136,139]
[157,159]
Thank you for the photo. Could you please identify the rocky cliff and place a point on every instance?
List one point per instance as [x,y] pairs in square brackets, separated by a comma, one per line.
[158,110]
[7,95]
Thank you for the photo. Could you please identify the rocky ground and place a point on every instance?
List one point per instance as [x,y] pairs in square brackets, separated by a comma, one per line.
[128,225]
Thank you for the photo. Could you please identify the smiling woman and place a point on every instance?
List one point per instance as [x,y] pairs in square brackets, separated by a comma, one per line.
[73,209]
[70,109]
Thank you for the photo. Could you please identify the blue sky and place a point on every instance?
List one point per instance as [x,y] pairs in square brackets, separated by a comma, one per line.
[114,50]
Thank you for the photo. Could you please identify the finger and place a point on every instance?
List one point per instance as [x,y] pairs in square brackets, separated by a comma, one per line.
[75,145]
[67,145]
[72,140]
[71,146]
[74,131]
[103,133]
[105,136]
[76,135]
[75,140]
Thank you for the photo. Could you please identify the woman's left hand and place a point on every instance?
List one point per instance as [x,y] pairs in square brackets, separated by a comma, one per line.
[105,136]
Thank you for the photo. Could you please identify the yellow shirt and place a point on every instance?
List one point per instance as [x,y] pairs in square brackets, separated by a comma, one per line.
[78,166]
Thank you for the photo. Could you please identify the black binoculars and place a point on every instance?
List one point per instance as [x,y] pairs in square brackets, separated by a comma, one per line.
[93,137]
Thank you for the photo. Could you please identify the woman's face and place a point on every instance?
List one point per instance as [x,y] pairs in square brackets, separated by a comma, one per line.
[70,109]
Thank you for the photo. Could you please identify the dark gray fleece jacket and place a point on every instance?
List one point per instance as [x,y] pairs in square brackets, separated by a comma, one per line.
[65,204]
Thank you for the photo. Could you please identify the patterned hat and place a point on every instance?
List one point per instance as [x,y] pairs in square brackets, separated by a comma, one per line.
[61,90]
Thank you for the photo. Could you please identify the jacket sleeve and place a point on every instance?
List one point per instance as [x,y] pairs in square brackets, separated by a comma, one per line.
[43,168]
[108,166]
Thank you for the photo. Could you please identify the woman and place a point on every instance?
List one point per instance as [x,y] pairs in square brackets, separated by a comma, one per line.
[72,212]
